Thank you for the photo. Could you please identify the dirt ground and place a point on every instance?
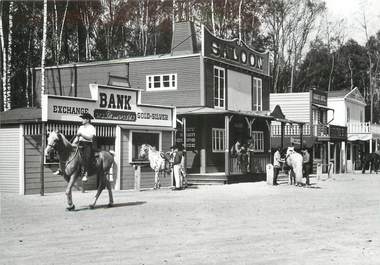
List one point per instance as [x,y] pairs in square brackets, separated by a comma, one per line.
[337,221]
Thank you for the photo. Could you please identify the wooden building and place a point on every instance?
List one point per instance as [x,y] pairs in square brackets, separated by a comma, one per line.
[220,88]
[362,136]
[319,134]
[122,124]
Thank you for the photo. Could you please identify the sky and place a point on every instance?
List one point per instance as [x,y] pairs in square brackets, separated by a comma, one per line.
[352,12]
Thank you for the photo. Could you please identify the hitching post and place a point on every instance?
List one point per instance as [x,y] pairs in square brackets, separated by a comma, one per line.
[42,176]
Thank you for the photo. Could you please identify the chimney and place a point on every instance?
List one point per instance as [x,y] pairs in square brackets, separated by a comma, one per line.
[184,38]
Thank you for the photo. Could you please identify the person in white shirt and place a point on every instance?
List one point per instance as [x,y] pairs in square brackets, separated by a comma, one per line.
[84,139]
[276,165]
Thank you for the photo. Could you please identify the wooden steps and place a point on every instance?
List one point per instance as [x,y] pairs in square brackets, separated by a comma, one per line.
[206,179]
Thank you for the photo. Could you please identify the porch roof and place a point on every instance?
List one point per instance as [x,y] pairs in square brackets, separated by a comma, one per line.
[210,111]
[20,115]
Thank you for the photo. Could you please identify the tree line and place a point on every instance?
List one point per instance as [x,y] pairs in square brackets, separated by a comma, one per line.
[304,54]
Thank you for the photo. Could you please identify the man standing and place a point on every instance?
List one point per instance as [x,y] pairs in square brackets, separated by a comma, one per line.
[306,165]
[84,138]
[177,158]
[276,165]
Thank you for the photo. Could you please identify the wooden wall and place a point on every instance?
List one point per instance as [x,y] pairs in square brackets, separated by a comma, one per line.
[147,174]
[61,81]
[295,106]
[209,84]
[32,170]
[188,80]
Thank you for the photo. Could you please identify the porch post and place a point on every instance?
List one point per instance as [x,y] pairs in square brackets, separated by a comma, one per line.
[184,140]
[42,166]
[282,135]
[376,148]
[301,136]
[370,146]
[328,154]
[226,145]
[204,130]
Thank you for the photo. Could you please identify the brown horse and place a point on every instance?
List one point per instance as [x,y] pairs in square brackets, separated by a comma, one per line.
[70,156]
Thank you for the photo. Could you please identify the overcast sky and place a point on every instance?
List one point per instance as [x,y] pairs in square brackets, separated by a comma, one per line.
[352,12]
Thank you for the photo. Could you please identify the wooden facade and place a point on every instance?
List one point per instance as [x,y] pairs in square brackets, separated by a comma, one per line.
[324,139]
[185,78]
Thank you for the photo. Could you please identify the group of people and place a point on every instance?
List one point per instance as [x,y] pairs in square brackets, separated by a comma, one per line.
[278,164]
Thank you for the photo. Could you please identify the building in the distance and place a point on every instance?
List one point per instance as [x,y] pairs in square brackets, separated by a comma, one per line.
[324,139]
[362,137]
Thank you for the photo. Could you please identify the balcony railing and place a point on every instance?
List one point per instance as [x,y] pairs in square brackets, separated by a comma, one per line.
[290,130]
[363,127]
[330,131]
[320,130]
[358,127]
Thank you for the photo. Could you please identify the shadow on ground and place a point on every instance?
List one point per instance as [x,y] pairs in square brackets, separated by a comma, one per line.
[106,206]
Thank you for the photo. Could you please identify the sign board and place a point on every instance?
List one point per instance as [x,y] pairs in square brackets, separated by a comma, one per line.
[191,136]
[108,104]
[319,97]
[234,52]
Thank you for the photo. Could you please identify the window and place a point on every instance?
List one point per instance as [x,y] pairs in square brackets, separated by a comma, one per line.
[348,115]
[140,138]
[258,141]
[161,82]
[361,116]
[257,94]
[219,87]
[218,140]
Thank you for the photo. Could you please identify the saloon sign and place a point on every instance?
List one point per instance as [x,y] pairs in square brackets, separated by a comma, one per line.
[231,51]
[111,105]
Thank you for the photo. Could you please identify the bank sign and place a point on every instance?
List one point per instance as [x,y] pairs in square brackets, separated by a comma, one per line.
[234,52]
[110,105]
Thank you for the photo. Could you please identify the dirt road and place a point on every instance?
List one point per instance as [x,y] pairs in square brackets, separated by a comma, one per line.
[335,222]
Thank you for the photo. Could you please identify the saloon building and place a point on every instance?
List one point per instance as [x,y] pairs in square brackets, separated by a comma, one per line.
[220,89]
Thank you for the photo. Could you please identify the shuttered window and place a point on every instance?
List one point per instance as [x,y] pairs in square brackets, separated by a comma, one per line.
[257,94]
[161,82]
[258,141]
[218,140]
[219,87]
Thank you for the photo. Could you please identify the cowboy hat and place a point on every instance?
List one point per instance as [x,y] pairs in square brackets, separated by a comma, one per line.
[86,116]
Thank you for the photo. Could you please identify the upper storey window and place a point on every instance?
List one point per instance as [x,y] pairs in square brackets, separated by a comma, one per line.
[161,82]
[257,94]
[219,87]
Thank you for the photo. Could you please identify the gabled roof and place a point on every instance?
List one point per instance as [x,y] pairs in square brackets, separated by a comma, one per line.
[20,115]
[353,94]
[338,93]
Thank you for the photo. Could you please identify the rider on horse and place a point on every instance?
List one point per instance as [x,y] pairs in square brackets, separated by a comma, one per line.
[85,135]
[83,139]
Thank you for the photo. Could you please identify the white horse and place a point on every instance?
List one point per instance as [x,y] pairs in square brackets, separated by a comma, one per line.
[157,160]
[294,161]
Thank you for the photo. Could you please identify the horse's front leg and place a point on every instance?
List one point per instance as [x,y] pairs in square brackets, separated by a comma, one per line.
[156,180]
[70,204]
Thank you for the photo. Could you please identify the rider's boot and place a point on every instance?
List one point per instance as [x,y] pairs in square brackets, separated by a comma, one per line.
[58,172]
[84,178]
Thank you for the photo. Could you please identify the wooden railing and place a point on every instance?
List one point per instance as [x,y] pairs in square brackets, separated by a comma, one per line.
[358,127]
[290,130]
[330,131]
[256,164]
